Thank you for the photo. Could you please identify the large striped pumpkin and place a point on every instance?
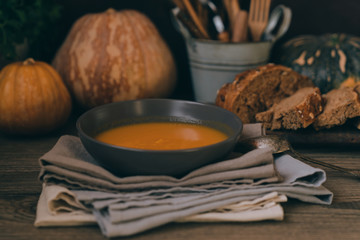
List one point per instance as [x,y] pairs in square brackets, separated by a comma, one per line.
[330,60]
[114,56]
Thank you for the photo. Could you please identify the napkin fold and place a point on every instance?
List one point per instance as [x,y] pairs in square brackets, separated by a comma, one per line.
[266,207]
[69,164]
[77,188]
[58,206]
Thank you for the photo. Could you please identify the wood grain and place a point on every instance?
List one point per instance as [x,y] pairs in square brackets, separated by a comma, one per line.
[20,189]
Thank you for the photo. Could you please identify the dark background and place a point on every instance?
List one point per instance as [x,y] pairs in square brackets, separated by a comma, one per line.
[309,17]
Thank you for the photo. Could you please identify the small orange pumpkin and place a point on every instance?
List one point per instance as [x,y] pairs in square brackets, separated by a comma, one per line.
[114,56]
[33,98]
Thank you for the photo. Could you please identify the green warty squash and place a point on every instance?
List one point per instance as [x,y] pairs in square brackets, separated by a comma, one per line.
[330,60]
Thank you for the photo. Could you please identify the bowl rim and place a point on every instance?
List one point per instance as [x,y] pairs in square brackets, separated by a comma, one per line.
[235,134]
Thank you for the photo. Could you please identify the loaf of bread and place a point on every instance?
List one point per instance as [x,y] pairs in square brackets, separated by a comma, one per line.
[341,105]
[256,90]
[294,112]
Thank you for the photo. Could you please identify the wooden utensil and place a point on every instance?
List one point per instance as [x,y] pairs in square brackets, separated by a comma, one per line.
[240,29]
[232,8]
[195,18]
[258,17]
[187,22]
[215,19]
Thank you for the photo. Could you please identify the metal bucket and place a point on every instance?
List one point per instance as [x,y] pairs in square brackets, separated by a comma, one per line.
[214,63]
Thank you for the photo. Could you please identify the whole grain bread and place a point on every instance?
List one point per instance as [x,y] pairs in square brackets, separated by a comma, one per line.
[341,105]
[294,112]
[256,90]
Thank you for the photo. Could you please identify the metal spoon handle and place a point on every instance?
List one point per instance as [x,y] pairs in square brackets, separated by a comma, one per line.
[353,172]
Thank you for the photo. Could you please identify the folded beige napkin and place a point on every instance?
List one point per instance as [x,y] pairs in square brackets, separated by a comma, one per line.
[58,206]
[129,205]
[266,207]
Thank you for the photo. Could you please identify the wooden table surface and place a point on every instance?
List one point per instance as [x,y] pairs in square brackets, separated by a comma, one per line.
[20,189]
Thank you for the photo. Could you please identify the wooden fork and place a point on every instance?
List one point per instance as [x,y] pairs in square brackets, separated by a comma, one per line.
[258,18]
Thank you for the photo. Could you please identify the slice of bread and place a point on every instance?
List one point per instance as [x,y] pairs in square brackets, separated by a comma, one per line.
[341,105]
[294,112]
[256,90]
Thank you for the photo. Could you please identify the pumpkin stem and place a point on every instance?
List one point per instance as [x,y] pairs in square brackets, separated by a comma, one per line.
[29,61]
[110,11]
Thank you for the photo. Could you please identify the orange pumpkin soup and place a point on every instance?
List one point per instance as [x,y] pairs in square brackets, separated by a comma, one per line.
[162,136]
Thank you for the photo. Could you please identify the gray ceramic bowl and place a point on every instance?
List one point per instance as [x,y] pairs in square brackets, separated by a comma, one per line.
[124,161]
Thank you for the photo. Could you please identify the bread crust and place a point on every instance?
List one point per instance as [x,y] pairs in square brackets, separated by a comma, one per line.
[256,90]
[297,111]
[341,105]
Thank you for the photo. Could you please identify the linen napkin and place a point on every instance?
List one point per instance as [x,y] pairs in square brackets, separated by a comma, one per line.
[58,206]
[262,208]
[125,206]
